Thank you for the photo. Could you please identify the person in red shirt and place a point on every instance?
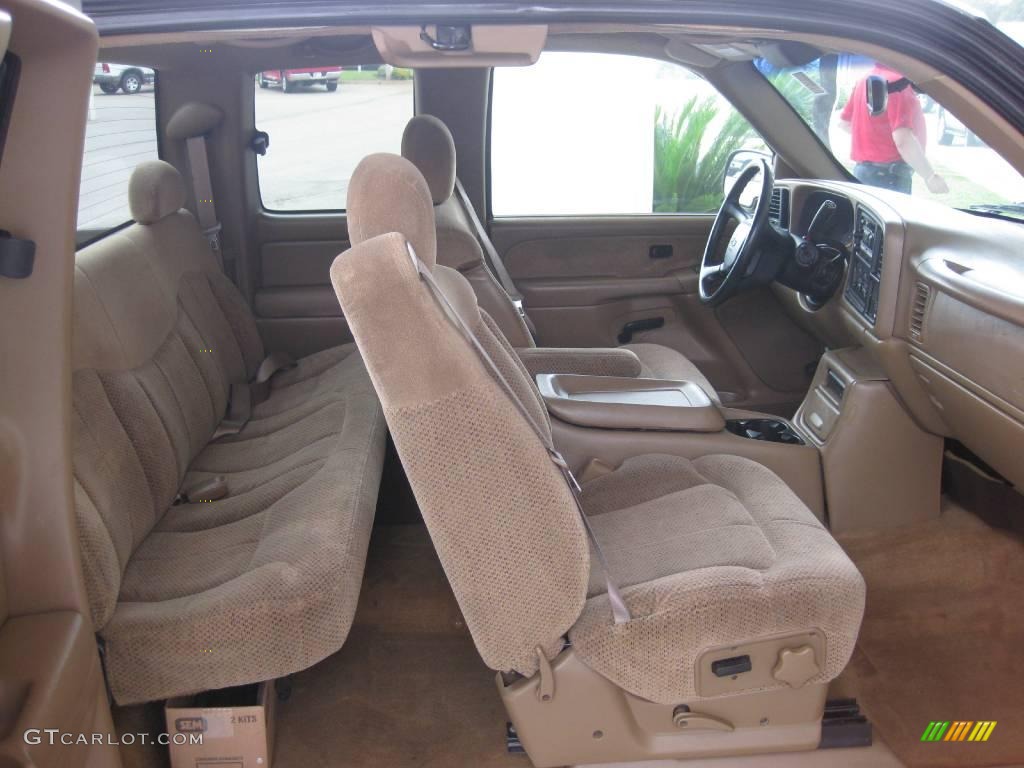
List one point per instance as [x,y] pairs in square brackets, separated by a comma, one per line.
[889,148]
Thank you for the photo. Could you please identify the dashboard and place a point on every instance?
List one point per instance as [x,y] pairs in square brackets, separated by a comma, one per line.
[935,297]
[864,280]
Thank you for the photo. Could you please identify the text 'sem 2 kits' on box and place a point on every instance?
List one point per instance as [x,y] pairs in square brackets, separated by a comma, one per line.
[236,725]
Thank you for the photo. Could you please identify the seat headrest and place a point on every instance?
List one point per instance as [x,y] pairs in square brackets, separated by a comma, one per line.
[428,144]
[155,191]
[388,194]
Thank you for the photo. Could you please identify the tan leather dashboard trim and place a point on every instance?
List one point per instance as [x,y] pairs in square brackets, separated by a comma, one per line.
[953,275]
[919,357]
[995,433]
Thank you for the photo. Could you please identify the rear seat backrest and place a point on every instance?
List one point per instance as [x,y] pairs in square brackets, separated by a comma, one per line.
[159,336]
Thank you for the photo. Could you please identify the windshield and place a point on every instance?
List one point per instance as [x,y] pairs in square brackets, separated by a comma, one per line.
[913,145]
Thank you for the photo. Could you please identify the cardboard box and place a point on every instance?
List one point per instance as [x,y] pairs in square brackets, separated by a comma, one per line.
[237,726]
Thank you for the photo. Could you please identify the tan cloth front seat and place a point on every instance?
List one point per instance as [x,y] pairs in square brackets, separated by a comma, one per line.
[708,553]
[428,144]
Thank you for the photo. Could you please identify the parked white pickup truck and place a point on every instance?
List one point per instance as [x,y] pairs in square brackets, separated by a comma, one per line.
[126,77]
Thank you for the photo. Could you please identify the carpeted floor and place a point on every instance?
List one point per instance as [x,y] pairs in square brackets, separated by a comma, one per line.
[408,688]
[943,637]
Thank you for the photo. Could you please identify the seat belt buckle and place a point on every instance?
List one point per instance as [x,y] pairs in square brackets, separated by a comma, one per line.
[210,489]
[213,236]
[517,302]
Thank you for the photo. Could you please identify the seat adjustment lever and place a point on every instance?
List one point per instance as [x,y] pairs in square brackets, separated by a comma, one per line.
[546,685]
[684,719]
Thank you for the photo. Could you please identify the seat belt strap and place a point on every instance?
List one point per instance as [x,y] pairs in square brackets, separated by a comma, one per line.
[620,611]
[239,411]
[493,257]
[202,189]
[273,363]
[240,400]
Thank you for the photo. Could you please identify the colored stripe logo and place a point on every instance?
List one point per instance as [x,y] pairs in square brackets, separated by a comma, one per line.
[958,730]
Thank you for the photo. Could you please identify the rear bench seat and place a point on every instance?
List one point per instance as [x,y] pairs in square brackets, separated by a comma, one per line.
[262,582]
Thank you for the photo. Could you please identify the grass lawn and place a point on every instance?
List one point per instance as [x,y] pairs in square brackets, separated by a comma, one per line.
[963,191]
[354,75]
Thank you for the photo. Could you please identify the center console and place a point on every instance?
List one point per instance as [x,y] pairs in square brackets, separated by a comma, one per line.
[613,402]
[768,429]
[608,419]
[880,468]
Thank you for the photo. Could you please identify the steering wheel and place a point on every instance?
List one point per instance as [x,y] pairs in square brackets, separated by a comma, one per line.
[721,279]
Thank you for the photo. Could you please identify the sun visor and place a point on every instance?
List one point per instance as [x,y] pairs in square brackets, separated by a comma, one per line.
[460,45]
[784,54]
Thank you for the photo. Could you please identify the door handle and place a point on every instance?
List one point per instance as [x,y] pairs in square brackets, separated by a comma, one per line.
[636,326]
[660,251]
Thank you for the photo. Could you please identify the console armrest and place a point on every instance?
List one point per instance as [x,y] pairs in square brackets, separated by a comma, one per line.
[588,362]
[612,402]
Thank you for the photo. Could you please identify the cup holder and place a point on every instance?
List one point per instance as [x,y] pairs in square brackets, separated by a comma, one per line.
[769,430]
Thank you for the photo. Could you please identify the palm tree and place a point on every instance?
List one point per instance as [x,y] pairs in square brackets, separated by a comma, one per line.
[691,149]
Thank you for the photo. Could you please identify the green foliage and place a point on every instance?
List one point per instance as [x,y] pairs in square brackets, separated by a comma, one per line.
[397,73]
[691,148]
[796,93]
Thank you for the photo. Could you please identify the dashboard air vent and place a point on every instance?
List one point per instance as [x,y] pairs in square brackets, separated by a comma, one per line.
[918,310]
[778,208]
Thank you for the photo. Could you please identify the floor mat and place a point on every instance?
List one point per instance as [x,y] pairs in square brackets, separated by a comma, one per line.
[408,688]
[943,637]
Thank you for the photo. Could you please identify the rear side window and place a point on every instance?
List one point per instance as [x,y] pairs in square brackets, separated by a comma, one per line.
[120,133]
[322,121]
[604,134]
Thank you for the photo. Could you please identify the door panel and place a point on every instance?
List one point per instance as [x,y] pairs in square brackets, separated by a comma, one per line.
[584,278]
[299,262]
[606,246]
[50,674]
[295,306]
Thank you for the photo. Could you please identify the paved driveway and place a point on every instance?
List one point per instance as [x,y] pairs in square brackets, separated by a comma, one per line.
[316,140]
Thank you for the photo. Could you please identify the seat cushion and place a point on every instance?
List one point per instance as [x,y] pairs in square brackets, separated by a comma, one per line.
[708,552]
[661,362]
[263,582]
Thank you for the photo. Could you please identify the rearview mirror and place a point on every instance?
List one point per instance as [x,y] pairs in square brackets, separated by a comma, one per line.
[877,94]
[738,160]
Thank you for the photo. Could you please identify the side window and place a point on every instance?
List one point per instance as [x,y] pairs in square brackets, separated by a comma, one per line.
[322,121]
[120,133]
[594,134]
